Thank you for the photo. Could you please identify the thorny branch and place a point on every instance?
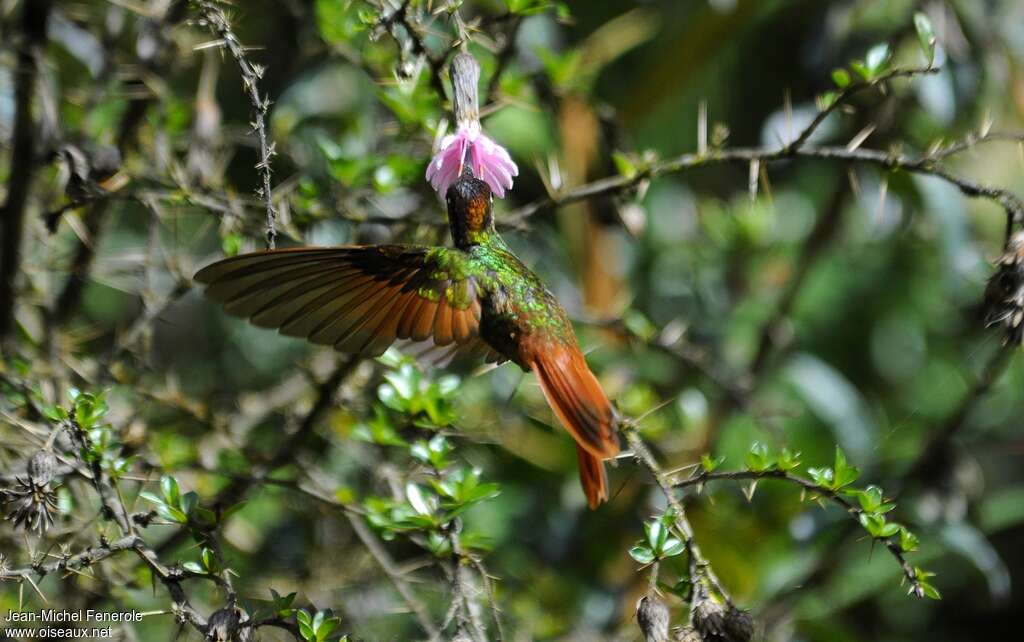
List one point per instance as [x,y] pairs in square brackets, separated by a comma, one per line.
[891,543]
[216,19]
[400,17]
[387,564]
[700,568]
[929,164]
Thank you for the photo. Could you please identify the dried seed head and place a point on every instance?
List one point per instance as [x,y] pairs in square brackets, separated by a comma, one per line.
[739,625]
[686,634]
[223,625]
[4,565]
[41,467]
[708,615]
[1004,295]
[652,615]
[30,505]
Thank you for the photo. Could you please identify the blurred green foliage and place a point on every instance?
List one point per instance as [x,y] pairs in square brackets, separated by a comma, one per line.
[863,284]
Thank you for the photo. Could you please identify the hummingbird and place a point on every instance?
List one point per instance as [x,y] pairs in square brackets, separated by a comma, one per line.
[476,298]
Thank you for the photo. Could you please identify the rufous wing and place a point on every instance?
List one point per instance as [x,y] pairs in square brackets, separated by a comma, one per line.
[359,299]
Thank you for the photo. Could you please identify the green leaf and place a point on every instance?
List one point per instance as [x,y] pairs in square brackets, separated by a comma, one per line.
[171,514]
[877,527]
[925,36]
[878,58]
[209,560]
[657,534]
[826,100]
[870,498]
[193,567]
[417,499]
[169,487]
[55,413]
[642,554]
[231,244]
[709,464]
[821,476]
[150,497]
[844,474]
[758,459]
[862,70]
[326,628]
[908,541]
[318,620]
[189,501]
[922,576]
[841,78]
[624,164]
[930,591]
[673,547]
[788,460]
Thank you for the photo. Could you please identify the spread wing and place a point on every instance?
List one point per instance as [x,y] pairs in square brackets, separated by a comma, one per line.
[359,299]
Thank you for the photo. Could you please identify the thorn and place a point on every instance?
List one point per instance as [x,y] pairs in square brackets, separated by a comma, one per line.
[883,191]
[986,124]
[854,183]
[859,139]
[702,128]
[755,173]
[787,100]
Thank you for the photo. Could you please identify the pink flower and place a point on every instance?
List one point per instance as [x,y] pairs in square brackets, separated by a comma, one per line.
[487,159]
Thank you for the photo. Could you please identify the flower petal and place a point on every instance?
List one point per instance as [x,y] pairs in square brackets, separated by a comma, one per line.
[489,161]
[446,165]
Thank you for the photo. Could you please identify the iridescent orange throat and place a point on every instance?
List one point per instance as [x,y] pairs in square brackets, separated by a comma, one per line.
[469,211]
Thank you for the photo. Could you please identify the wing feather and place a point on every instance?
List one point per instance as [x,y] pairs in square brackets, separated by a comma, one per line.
[359,299]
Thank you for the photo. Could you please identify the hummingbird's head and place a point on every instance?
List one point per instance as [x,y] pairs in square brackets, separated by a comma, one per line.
[469,210]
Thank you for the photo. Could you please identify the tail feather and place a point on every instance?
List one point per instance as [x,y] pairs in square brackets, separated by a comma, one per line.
[592,477]
[578,400]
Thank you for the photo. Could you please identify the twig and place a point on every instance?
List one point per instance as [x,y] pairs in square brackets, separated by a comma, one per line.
[34,16]
[468,620]
[485,577]
[79,561]
[891,543]
[285,452]
[843,97]
[893,161]
[700,568]
[112,506]
[926,164]
[401,17]
[251,75]
[383,559]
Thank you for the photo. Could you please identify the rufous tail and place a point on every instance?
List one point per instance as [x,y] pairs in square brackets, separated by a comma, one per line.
[578,400]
